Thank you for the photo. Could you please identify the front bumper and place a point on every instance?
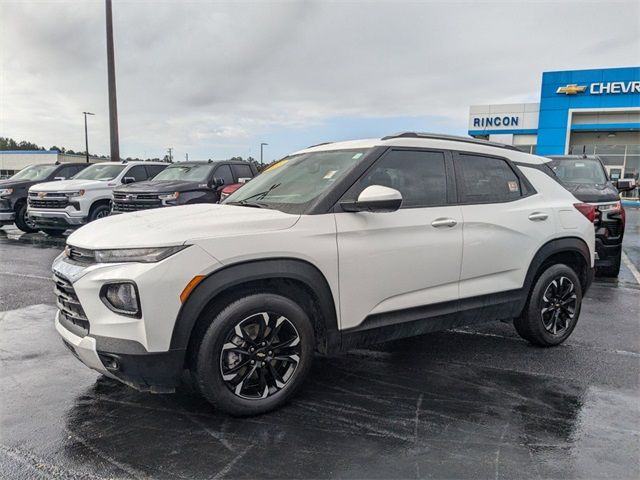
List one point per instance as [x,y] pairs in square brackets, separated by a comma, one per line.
[7,216]
[135,351]
[607,254]
[47,219]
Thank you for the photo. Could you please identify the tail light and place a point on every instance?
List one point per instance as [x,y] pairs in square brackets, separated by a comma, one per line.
[588,210]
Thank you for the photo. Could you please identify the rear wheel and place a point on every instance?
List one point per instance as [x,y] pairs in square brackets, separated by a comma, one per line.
[22,220]
[613,270]
[255,354]
[553,308]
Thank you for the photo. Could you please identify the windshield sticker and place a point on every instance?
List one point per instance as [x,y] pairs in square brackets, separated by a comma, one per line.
[579,164]
[281,163]
[356,156]
[330,174]
[513,186]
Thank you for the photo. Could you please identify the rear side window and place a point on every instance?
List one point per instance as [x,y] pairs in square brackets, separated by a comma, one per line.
[419,176]
[242,171]
[486,179]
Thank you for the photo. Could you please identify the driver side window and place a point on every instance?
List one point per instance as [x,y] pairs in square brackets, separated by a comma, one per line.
[419,176]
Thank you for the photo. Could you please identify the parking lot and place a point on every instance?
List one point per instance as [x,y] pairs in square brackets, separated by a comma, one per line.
[470,403]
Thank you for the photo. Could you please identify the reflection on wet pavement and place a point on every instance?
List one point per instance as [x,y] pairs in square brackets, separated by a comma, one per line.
[453,404]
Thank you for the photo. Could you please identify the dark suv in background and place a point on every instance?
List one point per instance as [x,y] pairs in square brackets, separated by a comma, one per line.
[587,179]
[182,183]
[14,190]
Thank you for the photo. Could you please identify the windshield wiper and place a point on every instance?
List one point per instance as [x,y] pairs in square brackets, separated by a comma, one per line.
[244,203]
[261,195]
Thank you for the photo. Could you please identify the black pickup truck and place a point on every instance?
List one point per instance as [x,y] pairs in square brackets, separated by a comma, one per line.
[14,190]
[586,178]
[182,183]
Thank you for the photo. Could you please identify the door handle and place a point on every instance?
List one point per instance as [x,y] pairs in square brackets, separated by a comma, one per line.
[538,217]
[444,222]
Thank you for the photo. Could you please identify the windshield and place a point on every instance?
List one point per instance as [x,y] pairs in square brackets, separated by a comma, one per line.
[294,182]
[100,171]
[579,170]
[34,172]
[187,173]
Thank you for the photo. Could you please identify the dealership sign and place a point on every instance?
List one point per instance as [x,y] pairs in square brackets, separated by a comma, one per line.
[496,121]
[601,88]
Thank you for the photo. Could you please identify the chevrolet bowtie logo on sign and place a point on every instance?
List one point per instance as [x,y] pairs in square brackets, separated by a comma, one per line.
[572,89]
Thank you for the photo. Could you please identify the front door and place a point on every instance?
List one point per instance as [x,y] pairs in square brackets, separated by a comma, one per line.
[389,262]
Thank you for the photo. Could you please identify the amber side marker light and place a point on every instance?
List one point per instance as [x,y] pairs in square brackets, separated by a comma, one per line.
[193,283]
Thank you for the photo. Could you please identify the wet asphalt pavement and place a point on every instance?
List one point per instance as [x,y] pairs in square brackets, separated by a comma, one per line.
[477,403]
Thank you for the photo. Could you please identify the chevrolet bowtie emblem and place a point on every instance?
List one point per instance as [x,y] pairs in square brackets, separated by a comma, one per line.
[41,194]
[572,89]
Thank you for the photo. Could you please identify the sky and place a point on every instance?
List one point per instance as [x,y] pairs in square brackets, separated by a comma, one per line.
[214,79]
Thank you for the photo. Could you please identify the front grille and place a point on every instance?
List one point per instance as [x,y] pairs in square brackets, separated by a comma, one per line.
[72,316]
[80,255]
[614,228]
[131,202]
[35,202]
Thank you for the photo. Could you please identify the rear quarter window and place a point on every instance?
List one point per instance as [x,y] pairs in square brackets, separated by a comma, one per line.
[486,179]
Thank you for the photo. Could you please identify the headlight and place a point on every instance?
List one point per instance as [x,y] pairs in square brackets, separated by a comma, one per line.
[6,191]
[144,255]
[77,193]
[612,207]
[121,298]
[169,196]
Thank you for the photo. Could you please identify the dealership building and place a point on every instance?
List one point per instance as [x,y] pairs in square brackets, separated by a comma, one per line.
[12,161]
[580,111]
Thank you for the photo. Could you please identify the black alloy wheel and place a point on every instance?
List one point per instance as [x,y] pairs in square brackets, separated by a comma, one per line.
[553,307]
[260,355]
[558,305]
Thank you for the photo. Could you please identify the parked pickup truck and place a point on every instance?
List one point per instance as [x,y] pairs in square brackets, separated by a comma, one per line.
[57,206]
[13,191]
[182,183]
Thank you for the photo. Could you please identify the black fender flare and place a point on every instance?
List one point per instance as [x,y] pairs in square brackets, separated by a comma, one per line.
[553,247]
[239,273]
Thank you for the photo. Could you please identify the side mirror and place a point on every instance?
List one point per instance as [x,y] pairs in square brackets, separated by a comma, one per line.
[625,185]
[59,178]
[126,180]
[217,182]
[375,198]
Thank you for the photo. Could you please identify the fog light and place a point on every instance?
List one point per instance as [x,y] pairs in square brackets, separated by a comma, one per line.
[121,298]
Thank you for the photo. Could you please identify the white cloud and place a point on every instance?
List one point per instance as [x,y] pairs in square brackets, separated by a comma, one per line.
[192,74]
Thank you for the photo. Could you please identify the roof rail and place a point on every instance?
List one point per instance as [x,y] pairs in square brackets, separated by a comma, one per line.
[320,144]
[452,138]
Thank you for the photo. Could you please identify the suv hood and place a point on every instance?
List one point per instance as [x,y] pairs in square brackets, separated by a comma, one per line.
[178,225]
[15,183]
[168,186]
[593,192]
[68,185]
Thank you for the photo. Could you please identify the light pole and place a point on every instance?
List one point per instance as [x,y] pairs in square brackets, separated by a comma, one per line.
[86,136]
[261,146]
[111,80]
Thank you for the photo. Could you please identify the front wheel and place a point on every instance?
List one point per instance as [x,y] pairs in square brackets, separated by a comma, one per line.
[553,308]
[22,220]
[255,354]
[99,211]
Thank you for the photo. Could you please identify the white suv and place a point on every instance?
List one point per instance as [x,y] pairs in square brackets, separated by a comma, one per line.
[338,245]
[57,206]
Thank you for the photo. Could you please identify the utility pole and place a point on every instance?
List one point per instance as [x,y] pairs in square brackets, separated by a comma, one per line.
[186,157]
[261,146]
[169,150]
[111,75]
[86,136]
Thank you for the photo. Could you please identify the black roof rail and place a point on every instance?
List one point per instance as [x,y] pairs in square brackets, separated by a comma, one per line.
[452,138]
[320,144]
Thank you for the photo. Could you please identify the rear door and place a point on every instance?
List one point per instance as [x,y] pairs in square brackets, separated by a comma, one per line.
[505,223]
[393,262]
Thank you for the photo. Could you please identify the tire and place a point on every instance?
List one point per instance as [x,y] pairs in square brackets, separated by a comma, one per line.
[22,220]
[613,270]
[553,308]
[99,211]
[53,232]
[234,340]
